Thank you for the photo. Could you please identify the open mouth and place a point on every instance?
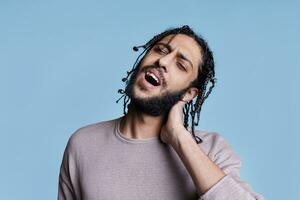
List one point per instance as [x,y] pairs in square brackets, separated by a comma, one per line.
[152,78]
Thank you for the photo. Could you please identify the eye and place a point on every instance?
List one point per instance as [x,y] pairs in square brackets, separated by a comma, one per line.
[181,66]
[161,49]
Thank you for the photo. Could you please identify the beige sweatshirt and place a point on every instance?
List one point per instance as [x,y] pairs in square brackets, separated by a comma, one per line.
[99,163]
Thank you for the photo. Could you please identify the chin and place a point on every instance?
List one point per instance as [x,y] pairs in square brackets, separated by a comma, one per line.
[140,94]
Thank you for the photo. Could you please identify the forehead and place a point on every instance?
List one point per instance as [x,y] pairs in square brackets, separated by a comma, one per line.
[186,45]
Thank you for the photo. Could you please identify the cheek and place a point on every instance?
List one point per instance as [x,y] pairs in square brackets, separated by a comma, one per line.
[149,59]
[175,84]
[180,82]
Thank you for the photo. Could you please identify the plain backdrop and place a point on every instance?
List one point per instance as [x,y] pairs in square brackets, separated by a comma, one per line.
[61,64]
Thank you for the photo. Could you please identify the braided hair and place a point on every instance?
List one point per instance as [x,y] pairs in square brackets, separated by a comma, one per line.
[206,75]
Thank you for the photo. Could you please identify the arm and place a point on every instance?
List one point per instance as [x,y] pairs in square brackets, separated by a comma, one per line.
[195,159]
[214,181]
[216,176]
[67,175]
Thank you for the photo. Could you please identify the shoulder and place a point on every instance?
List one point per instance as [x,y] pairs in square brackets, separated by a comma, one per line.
[219,150]
[90,133]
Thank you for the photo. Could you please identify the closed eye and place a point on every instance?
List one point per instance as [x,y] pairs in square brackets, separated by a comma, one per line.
[161,49]
[181,66]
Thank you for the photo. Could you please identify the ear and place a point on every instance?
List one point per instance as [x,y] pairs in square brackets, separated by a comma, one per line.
[190,94]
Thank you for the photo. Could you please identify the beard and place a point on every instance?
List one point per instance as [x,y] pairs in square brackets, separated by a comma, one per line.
[153,106]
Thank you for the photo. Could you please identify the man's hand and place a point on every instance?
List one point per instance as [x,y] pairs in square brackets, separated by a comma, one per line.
[173,128]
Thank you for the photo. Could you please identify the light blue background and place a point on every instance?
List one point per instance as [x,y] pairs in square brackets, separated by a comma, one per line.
[61,64]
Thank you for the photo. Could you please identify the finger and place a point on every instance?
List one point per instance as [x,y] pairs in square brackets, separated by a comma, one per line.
[181,103]
[184,100]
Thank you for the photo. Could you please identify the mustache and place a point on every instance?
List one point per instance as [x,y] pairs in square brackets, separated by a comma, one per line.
[159,69]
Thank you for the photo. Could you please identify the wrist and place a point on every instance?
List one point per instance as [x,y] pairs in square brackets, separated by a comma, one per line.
[183,137]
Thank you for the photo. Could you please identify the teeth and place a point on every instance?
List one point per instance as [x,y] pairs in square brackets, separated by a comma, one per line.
[153,76]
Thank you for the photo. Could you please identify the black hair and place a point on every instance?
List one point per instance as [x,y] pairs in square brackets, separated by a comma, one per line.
[206,75]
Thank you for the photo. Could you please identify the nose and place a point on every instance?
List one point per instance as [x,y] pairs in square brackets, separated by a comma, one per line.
[165,61]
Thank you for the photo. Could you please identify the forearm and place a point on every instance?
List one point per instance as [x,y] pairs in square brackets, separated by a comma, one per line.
[203,171]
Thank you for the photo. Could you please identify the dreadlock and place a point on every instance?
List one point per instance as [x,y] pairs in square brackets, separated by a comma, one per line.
[206,75]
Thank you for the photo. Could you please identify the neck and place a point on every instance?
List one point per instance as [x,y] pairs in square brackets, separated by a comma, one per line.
[137,125]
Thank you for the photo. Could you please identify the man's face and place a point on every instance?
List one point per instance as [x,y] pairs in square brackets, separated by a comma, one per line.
[165,73]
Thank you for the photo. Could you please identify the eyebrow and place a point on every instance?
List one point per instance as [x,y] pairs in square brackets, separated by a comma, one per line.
[168,46]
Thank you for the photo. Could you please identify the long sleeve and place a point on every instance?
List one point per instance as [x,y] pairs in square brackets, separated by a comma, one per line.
[98,163]
[230,187]
[67,187]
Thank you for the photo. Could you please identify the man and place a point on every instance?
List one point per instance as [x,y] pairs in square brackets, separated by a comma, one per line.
[151,152]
